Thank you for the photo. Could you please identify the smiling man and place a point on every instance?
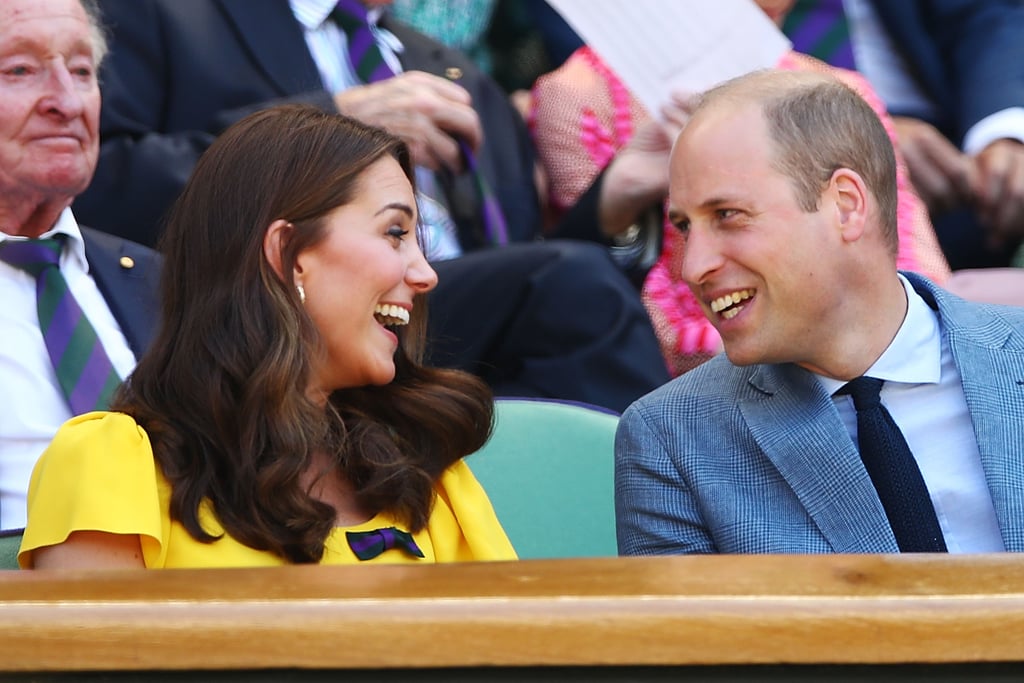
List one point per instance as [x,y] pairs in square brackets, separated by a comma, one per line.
[856,408]
[49,142]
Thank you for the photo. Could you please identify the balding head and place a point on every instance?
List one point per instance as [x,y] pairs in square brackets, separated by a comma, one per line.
[817,125]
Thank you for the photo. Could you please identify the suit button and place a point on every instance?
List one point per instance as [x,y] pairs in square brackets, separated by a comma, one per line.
[127,262]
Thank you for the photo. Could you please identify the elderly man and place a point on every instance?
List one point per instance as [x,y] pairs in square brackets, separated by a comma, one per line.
[78,305]
[856,409]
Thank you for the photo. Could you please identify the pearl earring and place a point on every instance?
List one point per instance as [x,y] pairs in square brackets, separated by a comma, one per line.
[302,293]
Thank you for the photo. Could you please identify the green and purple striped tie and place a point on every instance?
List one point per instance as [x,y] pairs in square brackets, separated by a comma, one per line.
[819,28]
[83,369]
[370,67]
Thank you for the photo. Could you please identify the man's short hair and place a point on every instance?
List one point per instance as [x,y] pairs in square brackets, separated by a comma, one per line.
[818,125]
[99,31]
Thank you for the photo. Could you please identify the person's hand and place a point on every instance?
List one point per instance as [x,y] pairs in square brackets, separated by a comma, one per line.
[676,112]
[636,178]
[429,112]
[998,188]
[940,172]
[638,175]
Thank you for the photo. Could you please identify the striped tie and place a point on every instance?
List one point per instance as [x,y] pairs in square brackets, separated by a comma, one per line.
[370,67]
[819,28]
[83,369]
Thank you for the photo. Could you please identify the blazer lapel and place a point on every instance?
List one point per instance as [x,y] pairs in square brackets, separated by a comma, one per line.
[461,195]
[288,64]
[417,53]
[795,423]
[127,275]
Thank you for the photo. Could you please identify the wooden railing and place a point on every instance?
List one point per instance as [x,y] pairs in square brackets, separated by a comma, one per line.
[622,613]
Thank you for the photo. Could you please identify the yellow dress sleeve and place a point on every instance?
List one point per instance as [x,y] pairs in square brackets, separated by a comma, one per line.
[98,474]
[463,525]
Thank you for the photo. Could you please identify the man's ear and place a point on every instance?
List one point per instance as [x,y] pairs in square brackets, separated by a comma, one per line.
[851,197]
[274,241]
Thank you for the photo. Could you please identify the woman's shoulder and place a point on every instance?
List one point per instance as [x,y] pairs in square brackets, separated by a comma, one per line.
[457,476]
[105,423]
[109,431]
[98,457]
[97,474]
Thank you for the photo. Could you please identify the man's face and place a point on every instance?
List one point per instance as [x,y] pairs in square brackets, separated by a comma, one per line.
[49,101]
[761,267]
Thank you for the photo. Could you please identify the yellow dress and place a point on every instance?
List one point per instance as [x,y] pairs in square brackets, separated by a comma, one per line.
[99,474]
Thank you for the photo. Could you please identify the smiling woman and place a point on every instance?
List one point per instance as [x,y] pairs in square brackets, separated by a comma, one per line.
[360,280]
[282,414]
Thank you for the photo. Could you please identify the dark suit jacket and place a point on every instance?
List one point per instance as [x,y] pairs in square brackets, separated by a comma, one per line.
[968,54]
[180,71]
[130,288]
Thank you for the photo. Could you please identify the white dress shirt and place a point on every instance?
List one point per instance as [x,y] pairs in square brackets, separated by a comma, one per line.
[924,394]
[33,403]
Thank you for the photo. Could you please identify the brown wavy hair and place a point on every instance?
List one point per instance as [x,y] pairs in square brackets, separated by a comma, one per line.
[222,391]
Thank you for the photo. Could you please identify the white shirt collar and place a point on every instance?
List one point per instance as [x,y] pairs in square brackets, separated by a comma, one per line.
[74,247]
[915,354]
[312,13]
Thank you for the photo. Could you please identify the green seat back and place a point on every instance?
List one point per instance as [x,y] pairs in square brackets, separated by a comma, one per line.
[10,541]
[549,472]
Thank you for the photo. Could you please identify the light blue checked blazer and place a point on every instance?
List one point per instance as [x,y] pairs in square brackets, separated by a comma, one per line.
[756,459]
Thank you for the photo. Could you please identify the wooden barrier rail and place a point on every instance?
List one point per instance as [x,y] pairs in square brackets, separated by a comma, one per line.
[610,613]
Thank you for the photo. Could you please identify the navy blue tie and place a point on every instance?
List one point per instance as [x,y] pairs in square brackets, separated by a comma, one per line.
[894,471]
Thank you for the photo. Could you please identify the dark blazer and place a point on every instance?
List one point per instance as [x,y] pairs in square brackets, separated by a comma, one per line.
[127,275]
[728,459]
[180,71]
[968,55]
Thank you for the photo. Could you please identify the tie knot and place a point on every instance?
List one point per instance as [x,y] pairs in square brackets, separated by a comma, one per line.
[364,54]
[32,256]
[864,391]
[350,15]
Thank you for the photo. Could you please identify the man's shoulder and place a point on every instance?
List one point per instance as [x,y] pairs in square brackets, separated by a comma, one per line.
[420,51]
[98,242]
[697,391]
[969,318]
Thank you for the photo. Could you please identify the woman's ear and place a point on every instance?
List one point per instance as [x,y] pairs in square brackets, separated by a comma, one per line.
[274,241]
[851,197]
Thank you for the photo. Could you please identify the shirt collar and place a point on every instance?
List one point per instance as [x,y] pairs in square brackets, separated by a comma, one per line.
[915,354]
[312,13]
[74,245]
